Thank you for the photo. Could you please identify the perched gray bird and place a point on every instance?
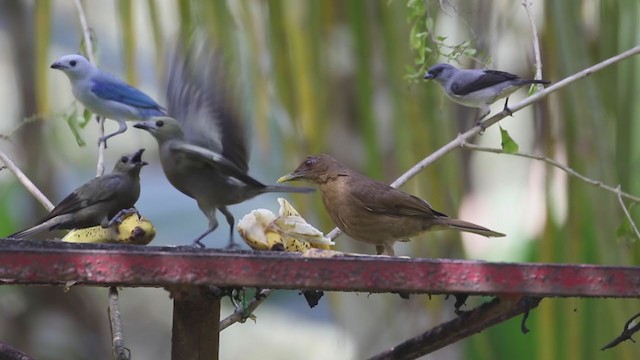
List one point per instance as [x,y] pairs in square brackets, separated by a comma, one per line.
[101,201]
[105,95]
[477,88]
[203,150]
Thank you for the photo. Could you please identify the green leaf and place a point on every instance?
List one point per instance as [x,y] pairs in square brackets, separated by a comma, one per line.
[508,145]
[86,116]
[74,125]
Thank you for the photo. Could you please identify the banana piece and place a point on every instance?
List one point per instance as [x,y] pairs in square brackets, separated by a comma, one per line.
[262,230]
[134,229]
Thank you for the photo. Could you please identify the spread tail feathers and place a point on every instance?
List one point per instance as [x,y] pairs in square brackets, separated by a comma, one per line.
[469,227]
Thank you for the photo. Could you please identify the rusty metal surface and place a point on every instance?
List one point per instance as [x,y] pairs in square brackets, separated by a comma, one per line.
[48,262]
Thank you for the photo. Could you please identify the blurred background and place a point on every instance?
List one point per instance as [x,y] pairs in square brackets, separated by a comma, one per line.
[341,77]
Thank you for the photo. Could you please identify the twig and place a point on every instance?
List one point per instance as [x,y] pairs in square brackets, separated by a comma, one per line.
[86,33]
[120,352]
[240,315]
[556,164]
[536,42]
[455,143]
[471,322]
[88,44]
[626,333]
[10,353]
[24,180]
[626,212]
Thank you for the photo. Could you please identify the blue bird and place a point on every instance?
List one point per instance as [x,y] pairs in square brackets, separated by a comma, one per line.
[105,95]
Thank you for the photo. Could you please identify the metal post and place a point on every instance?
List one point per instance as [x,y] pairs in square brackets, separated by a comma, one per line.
[196,323]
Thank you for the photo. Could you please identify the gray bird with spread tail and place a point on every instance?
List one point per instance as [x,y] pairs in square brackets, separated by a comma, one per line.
[371,211]
[477,88]
[101,201]
[203,149]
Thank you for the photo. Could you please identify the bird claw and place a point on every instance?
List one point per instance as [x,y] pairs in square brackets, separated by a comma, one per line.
[121,215]
[103,139]
[198,244]
[233,245]
[480,124]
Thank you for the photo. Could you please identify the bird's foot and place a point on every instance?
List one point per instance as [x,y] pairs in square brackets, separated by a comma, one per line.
[121,215]
[506,107]
[480,124]
[233,245]
[198,244]
[103,140]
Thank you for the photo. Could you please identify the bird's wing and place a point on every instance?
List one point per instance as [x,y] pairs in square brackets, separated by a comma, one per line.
[97,190]
[468,82]
[109,88]
[380,198]
[215,160]
[199,96]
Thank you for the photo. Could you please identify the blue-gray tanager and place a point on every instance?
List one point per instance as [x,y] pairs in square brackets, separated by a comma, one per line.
[203,150]
[100,201]
[105,95]
[477,88]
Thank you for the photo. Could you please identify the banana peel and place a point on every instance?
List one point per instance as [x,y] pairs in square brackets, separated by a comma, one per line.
[134,229]
[290,232]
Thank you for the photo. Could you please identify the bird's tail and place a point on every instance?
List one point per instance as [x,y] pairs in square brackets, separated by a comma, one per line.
[287,189]
[47,225]
[533,81]
[462,225]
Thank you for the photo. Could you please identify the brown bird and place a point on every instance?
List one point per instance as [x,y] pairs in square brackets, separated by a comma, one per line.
[372,211]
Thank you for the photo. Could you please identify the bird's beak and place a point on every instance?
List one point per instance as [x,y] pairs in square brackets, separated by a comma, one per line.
[290,177]
[57,65]
[144,125]
[428,76]
[137,158]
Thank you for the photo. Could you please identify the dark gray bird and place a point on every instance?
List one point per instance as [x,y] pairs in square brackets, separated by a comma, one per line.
[101,201]
[203,149]
[477,88]
[372,211]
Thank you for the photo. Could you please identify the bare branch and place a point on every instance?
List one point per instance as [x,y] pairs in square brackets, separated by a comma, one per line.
[120,352]
[536,42]
[556,164]
[240,315]
[86,33]
[626,333]
[626,212]
[468,323]
[24,180]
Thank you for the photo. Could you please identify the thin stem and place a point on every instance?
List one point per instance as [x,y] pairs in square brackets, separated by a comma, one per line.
[241,315]
[120,352]
[556,164]
[24,180]
[536,42]
[626,212]
[88,44]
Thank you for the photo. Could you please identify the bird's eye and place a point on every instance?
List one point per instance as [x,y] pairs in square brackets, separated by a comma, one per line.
[309,163]
[124,160]
[159,123]
[72,63]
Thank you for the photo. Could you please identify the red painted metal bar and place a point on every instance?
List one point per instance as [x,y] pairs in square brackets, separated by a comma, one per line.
[47,262]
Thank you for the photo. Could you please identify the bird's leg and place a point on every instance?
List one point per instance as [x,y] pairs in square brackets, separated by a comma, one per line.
[121,215]
[122,128]
[212,228]
[230,221]
[506,107]
[379,249]
[483,113]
